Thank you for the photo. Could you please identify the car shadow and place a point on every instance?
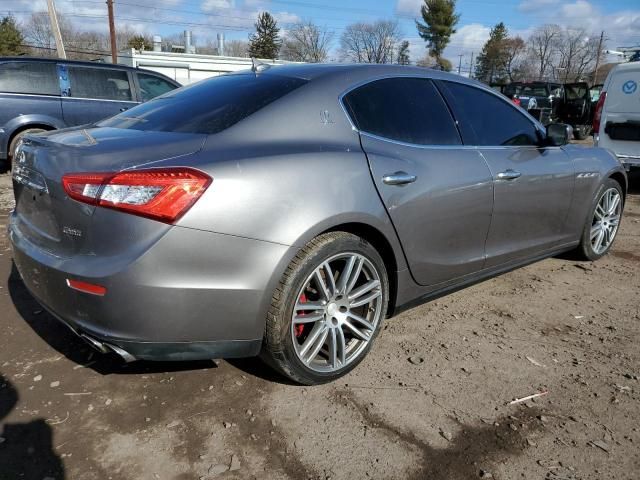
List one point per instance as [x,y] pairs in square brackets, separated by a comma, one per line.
[26,449]
[64,341]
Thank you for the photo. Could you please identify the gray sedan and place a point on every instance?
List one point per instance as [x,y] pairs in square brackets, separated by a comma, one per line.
[287,212]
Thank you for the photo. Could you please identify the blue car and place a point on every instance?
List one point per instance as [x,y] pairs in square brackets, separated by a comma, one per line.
[38,94]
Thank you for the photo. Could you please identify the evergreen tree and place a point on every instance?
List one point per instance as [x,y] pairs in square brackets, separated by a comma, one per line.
[266,42]
[491,65]
[11,39]
[439,24]
[139,42]
[403,53]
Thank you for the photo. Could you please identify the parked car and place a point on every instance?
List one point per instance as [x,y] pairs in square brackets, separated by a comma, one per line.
[289,211]
[616,125]
[578,106]
[39,94]
[540,99]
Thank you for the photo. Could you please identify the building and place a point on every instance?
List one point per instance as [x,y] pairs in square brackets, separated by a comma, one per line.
[186,68]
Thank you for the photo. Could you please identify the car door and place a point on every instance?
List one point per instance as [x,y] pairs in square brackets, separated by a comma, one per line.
[438,193]
[575,105]
[90,94]
[533,184]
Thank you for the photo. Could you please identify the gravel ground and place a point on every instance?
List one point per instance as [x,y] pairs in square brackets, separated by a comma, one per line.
[429,402]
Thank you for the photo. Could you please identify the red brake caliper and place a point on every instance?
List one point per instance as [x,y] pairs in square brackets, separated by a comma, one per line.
[298,329]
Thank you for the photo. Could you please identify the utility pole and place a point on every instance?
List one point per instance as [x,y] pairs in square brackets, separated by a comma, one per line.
[460,63]
[595,72]
[471,67]
[55,29]
[112,33]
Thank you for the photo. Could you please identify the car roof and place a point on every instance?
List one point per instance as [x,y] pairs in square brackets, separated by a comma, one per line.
[65,61]
[355,73]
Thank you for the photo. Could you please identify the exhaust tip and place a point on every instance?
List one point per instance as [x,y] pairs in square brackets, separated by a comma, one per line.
[94,343]
[126,356]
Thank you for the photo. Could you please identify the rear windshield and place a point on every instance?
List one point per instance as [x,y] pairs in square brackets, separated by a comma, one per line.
[210,106]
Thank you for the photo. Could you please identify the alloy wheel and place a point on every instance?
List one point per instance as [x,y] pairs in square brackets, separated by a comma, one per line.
[337,312]
[606,220]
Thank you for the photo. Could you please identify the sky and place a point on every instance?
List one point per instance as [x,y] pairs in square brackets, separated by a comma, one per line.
[619,19]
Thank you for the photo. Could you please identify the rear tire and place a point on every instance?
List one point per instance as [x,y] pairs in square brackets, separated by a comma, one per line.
[603,222]
[581,132]
[16,140]
[314,333]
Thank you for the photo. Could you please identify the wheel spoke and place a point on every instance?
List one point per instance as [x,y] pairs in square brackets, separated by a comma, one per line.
[363,290]
[614,204]
[595,230]
[298,319]
[308,306]
[354,276]
[341,346]
[356,331]
[330,279]
[598,242]
[318,330]
[321,284]
[600,212]
[614,220]
[363,300]
[319,344]
[343,279]
[360,320]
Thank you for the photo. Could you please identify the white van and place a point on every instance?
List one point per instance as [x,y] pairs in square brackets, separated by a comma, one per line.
[616,123]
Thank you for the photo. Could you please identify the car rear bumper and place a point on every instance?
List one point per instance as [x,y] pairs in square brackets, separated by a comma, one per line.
[192,295]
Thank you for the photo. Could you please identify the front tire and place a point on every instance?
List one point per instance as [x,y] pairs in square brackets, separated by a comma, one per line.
[603,221]
[327,310]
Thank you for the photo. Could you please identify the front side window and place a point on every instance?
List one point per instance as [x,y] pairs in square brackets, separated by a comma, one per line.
[209,106]
[37,78]
[406,109]
[99,83]
[488,120]
[152,86]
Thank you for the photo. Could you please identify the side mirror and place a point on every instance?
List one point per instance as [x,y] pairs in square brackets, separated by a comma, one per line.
[558,134]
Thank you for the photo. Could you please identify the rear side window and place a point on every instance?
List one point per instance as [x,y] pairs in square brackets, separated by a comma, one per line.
[407,110]
[152,86]
[99,83]
[209,106]
[488,120]
[37,78]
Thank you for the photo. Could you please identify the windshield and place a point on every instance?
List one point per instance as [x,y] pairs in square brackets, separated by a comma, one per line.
[209,106]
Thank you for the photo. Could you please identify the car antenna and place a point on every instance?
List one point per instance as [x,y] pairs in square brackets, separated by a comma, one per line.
[257,66]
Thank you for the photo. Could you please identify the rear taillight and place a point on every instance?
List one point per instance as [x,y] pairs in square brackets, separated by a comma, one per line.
[163,194]
[597,116]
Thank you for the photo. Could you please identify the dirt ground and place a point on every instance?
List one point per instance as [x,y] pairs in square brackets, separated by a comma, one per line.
[429,402]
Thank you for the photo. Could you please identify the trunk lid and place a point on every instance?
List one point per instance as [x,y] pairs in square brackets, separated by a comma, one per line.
[44,213]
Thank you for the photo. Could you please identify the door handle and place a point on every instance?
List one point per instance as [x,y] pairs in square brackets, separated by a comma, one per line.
[508,175]
[398,178]
[124,109]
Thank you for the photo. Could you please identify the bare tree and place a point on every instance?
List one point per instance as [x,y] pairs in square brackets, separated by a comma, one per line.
[236,48]
[307,42]
[370,42]
[543,47]
[578,52]
[515,54]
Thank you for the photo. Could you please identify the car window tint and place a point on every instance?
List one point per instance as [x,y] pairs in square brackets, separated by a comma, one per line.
[99,83]
[492,120]
[403,109]
[575,92]
[152,86]
[209,106]
[37,78]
